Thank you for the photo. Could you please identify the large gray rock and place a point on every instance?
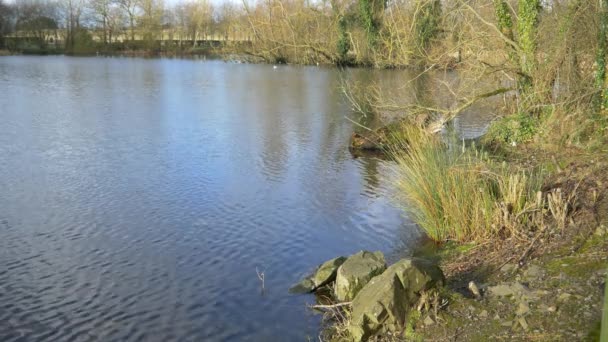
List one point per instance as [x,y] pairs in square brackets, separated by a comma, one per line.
[323,275]
[356,272]
[385,302]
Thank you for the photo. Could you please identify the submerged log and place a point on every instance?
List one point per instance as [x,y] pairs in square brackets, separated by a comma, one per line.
[365,142]
[376,140]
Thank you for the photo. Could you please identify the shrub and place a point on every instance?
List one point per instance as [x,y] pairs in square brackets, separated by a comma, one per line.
[83,43]
[517,128]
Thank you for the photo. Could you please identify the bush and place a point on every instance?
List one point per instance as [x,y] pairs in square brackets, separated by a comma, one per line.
[517,128]
[83,43]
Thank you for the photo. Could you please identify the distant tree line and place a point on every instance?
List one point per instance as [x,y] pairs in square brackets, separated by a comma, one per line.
[138,24]
[518,37]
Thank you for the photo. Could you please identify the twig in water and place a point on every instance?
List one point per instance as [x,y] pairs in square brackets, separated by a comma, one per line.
[330,306]
[261,277]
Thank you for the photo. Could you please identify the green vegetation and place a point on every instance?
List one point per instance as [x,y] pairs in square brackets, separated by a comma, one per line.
[526,29]
[503,15]
[427,24]
[83,43]
[343,41]
[368,10]
[514,129]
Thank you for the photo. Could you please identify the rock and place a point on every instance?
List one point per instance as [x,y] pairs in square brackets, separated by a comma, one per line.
[304,286]
[508,268]
[523,323]
[428,321]
[323,275]
[515,290]
[501,290]
[506,324]
[533,272]
[356,272]
[541,293]
[385,302]
[483,314]
[474,289]
[523,309]
[326,273]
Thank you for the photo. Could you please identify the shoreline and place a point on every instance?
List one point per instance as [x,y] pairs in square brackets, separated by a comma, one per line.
[548,287]
[223,54]
[553,272]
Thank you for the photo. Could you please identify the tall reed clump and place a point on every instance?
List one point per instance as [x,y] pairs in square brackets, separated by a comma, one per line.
[457,193]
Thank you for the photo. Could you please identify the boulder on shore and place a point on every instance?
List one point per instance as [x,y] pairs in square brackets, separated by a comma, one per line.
[356,272]
[385,302]
[323,275]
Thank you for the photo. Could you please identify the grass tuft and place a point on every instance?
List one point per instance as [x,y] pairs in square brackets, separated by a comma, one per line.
[454,192]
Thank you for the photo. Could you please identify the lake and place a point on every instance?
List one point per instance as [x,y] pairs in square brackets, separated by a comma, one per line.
[139,197]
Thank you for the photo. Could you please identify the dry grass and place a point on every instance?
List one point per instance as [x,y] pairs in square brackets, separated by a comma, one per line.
[458,193]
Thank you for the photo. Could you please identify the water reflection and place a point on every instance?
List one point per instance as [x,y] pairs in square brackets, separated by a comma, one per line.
[397,90]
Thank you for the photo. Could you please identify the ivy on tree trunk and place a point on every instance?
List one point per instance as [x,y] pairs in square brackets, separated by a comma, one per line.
[526,29]
[427,23]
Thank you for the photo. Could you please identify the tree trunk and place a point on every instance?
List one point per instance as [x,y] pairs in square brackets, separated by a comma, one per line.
[526,27]
[105,37]
[132,28]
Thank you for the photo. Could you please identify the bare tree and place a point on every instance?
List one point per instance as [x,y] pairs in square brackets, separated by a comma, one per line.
[131,8]
[116,20]
[101,11]
[6,16]
[72,11]
[36,18]
[150,19]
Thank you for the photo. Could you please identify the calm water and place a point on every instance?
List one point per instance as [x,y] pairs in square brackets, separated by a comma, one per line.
[138,198]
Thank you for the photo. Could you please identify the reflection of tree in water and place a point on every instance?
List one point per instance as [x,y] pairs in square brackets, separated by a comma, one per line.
[390,89]
[399,93]
[270,99]
[421,88]
[372,174]
[335,132]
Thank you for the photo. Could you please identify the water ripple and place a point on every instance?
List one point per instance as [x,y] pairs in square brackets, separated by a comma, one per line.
[141,196]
